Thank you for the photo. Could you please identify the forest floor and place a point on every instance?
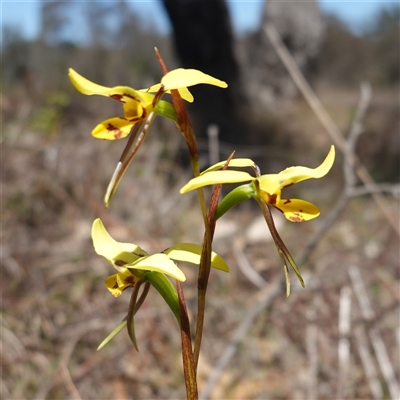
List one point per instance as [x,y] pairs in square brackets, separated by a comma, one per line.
[55,309]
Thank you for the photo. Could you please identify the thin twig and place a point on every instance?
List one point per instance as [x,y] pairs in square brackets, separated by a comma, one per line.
[70,384]
[368,363]
[278,287]
[244,265]
[356,130]
[348,173]
[312,352]
[391,188]
[376,339]
[189,368]
[268,296]
[344,342]
[323,227]
[326,120]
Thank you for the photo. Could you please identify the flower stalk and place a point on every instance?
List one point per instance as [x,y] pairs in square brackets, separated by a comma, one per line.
[187,353]
[186,128]
[136,269]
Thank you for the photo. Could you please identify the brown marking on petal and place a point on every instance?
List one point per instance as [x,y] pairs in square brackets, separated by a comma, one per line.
[287,201]
[129,280]
[120,263]
[116,131]
[115,286]
[272,199]
[117,97]
[296,217]
[290,184]
[130,96]
[139,254]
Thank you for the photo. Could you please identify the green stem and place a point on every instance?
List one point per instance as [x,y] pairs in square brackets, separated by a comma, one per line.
[187,354]
[186,128]
[205,266]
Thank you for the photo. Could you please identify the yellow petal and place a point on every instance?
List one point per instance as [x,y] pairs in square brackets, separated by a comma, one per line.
[214,177]
[191,252]
[112,285]
[123,94]
[186,95]
[159,263]
[183,78]
[274,182]
[113,128]
[133,110]
[184,92]
[85,86]
[125,279]
[152,89]
[235,162]
[118,254]
[297,210]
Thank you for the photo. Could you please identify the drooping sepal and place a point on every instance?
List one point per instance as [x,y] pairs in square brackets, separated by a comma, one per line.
[130,319]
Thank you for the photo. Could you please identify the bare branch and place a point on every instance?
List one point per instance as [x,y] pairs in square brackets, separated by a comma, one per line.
[368,363]
[312,352]
[325,119]
[244,265]
[344,342]
[355,131]
[376,339]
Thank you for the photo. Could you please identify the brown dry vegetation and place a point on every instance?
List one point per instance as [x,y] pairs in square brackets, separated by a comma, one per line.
[55,309]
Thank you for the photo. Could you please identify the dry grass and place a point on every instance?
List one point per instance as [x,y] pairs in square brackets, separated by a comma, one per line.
[56,310]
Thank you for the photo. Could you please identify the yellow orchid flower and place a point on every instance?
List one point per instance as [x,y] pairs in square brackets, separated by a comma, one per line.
[268,188]
[138,104]
[137,269]
[132,262]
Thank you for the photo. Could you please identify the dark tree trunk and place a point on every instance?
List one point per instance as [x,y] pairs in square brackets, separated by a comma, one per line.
[203,40]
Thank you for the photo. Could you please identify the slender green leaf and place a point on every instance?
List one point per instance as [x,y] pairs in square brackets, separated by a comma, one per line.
[166,109]
[111,336]
[163,285]
[234,197]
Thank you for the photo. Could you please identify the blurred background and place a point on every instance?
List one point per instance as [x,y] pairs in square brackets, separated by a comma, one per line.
[338,338]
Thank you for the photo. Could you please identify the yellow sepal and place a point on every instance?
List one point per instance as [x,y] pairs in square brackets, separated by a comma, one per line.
[272,183]
[235,163]
[191,253]
[159,263]
[112,129]
[215,177]
[183,78]
[117,253]
[297,210]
